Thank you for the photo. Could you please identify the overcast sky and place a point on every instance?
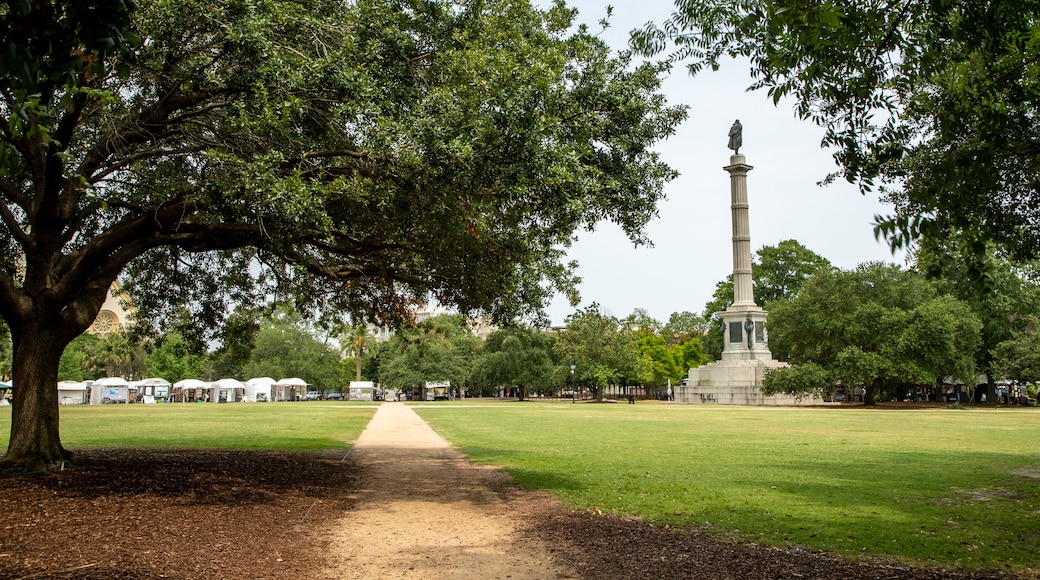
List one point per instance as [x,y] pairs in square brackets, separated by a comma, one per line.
[692,247]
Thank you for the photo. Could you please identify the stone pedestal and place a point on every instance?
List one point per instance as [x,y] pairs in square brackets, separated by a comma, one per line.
[744,334]
[731,382]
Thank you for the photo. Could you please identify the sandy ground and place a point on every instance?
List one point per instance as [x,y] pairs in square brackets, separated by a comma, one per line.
[459,525]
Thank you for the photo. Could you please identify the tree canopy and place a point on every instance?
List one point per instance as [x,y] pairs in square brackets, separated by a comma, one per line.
[604,353]
[285,347]
[520,358]
[360,156]
[1017,359]
[1004,295]
[934,103]
[875,326]
[441,348]
[174,360]
[781,270]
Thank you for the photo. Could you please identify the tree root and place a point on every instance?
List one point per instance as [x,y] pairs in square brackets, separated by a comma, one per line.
[15,464]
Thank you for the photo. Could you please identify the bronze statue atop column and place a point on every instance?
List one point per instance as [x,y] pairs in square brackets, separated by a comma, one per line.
[736,137]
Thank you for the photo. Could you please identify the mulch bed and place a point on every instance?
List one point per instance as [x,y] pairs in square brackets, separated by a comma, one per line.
[241,514]
[172,514]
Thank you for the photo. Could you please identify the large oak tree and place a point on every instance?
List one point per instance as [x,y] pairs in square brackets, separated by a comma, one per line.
[1005,296]
[363,155]
[441,348]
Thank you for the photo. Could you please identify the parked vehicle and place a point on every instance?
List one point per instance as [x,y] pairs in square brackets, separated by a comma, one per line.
[334,396]
[312,396]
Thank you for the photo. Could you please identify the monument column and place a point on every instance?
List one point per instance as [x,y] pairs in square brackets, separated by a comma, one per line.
[743,290]
[744,322]
[737,378]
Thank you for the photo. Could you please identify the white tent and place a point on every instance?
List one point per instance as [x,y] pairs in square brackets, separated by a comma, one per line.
[258,389]
[182,387]
[109,389]
[290,389]
[72,392]
[362,390]
[227,390]
[156,387]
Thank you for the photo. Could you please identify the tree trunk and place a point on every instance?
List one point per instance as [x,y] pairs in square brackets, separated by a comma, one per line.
[35,443]
[869,393]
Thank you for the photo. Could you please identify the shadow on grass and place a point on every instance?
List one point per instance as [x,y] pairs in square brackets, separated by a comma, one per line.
[541,479]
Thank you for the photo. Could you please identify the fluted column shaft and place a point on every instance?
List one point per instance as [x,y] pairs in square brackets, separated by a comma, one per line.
[743,289]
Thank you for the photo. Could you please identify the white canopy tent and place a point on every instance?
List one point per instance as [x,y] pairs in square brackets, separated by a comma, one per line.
[227,390]
[72,392]
[258,389]
[109,389]
[190,389]
[290,389]
[156,387]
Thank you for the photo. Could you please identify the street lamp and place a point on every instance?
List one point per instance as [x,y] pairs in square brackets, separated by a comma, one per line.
[574,392]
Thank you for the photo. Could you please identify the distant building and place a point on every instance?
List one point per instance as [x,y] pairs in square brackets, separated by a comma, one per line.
[116,313]
[479,327]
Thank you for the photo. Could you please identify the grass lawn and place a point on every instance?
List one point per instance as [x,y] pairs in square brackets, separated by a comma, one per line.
[938,486]
[306,426]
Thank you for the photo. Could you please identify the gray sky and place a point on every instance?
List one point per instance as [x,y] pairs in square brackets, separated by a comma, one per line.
[692,249]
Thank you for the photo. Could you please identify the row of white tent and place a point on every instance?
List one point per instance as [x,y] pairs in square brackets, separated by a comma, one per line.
[118,390]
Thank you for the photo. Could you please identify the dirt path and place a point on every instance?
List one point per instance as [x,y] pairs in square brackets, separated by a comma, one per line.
[423,511]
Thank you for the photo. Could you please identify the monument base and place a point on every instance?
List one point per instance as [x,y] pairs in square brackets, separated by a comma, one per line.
[734,382]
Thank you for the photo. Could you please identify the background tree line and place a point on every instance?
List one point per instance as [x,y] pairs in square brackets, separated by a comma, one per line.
[880,327]
[606,351]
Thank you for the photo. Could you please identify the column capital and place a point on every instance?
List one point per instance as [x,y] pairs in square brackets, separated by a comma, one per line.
[737,165]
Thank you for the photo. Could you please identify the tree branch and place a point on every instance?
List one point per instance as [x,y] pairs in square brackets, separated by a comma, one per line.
[147,125]
[334,153]
[13,305]
[15,228]
[346,272]
[11,192]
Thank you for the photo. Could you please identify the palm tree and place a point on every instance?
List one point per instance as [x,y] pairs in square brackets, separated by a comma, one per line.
[355,338]
[114,355]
